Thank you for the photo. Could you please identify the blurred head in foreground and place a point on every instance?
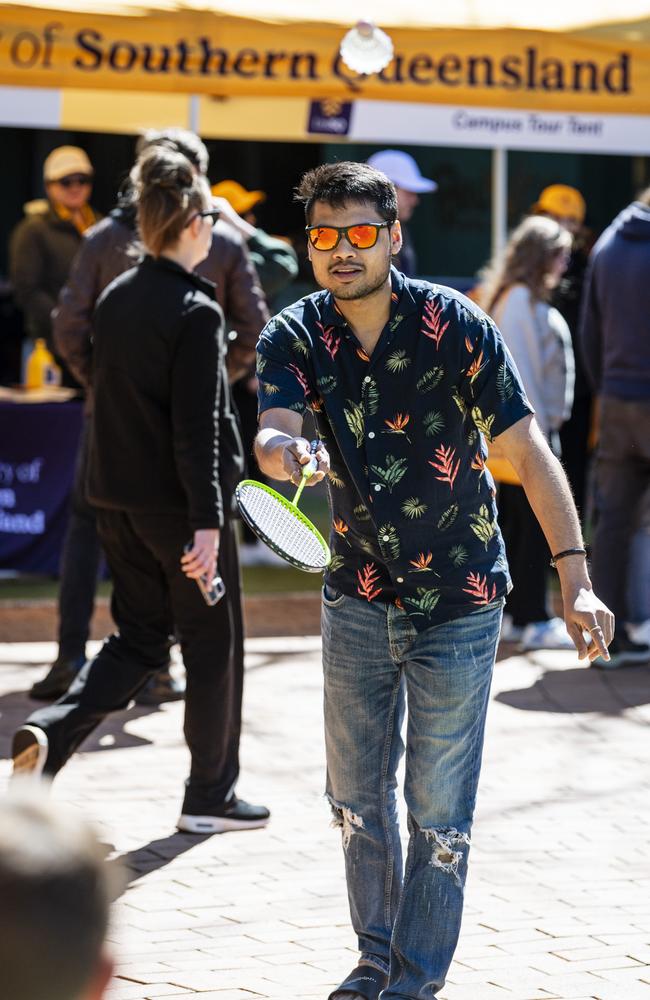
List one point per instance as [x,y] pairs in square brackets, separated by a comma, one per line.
[54,902]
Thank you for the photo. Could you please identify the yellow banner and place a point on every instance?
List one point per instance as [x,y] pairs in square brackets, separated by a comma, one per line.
[219,55]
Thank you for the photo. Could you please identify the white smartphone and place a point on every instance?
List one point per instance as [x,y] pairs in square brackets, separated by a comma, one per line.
[212,591]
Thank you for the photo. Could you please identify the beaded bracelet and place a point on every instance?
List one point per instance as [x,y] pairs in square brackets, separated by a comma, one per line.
[567,552]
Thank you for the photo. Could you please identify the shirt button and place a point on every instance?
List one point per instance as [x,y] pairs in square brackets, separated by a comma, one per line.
[371,434]
[367,379]
[385,538]
[377,487]
[400,579]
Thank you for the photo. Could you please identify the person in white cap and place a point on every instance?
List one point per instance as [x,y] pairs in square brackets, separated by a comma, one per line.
[44,243]
[409,183]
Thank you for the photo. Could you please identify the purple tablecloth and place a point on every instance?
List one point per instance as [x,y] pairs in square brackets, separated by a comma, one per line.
[38,447]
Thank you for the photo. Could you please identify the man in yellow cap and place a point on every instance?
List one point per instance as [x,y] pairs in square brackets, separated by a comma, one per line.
[275,260]
[567,207]
[239,198]
[43,245]
[563,203]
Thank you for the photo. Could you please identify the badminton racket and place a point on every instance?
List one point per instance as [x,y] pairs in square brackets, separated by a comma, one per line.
[281,524]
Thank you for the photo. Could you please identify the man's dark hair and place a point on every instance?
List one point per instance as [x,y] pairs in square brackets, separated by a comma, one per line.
[55,890]
[339,184]
[178,140]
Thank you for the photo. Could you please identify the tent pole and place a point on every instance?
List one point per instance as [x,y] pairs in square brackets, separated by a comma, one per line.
[499,199]
[194,113]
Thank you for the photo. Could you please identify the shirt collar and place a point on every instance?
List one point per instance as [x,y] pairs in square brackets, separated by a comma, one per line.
[402,302]
[204,284]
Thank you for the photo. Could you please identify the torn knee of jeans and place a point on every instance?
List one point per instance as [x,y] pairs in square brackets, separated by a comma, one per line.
[345,819]
[448,846]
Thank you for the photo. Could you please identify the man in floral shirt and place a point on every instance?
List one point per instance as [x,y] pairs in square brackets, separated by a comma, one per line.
[406,381]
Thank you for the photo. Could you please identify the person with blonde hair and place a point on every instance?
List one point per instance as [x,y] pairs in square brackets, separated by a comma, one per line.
[516,289]
[160,484]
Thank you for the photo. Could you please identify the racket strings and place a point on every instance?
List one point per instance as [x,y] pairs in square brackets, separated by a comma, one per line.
[283,527]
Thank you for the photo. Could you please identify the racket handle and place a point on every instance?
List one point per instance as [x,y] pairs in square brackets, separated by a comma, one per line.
[307,471]
[311,466]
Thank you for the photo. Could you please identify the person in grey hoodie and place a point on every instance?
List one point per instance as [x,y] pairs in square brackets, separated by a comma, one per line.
[616,353]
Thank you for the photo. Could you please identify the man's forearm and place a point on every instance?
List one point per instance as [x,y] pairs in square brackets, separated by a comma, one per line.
[269,449]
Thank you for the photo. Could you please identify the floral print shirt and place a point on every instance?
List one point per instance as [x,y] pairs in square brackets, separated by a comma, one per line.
[412,501]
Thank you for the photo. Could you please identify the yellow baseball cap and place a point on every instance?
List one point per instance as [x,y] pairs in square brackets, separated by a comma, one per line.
[241,200]
[563,201]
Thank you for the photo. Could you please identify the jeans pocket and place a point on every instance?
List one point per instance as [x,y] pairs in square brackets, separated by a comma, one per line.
[332,596]
[497,603]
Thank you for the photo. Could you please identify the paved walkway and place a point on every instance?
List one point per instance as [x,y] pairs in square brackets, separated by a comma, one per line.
[558,900]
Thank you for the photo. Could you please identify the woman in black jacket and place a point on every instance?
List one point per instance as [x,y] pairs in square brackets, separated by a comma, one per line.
[155,477]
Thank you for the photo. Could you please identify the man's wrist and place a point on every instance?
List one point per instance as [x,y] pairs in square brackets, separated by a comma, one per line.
[270,449]
[573,572]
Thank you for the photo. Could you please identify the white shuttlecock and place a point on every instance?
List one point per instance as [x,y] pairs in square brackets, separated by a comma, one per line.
[366,48]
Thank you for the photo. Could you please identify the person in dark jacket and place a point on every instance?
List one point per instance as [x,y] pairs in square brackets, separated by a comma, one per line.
[616,354]
[275,259]
[110,248]
[43,245]
[155,476]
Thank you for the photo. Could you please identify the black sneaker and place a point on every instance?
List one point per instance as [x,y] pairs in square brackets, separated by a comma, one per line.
[29,752]
[623,653]
[59,678]
[233,815]
[160,688]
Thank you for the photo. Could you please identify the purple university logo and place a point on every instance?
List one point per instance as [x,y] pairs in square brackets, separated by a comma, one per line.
[329,116]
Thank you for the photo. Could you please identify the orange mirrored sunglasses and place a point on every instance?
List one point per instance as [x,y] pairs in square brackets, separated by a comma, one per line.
[363,236]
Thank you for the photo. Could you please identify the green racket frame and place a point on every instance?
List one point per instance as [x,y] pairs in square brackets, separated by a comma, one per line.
[296,512]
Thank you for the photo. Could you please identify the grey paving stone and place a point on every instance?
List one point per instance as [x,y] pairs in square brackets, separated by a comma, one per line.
[558,896]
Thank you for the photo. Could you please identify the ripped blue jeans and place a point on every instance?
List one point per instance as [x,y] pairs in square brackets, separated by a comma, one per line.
[407,918]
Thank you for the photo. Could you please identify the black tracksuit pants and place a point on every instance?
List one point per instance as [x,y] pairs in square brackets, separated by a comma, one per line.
[528,557]
[153,601]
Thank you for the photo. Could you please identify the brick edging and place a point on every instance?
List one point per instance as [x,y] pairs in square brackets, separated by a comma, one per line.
[294,613]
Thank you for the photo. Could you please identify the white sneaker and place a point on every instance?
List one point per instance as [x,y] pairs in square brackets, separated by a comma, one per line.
[509,631]
[546,635]
[259,554]
[236,815]
[639,633]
